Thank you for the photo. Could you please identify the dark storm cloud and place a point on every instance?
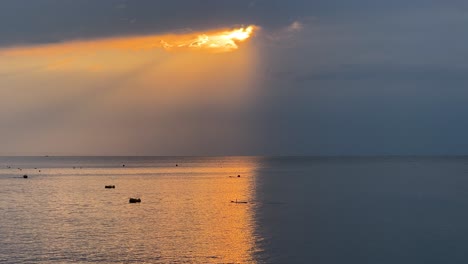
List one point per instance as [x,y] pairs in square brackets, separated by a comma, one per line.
[44,21]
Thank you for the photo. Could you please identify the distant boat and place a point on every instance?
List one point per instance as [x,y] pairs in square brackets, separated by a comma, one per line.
[110,187]
[238,202]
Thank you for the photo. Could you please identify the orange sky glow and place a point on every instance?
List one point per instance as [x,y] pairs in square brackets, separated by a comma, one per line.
[111,53]
[99,83]
[220,40]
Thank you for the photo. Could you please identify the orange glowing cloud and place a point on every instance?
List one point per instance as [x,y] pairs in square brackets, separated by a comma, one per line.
[118,53]
[221,40]
[218,41]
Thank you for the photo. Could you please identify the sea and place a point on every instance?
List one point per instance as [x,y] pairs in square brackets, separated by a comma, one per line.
[323,210]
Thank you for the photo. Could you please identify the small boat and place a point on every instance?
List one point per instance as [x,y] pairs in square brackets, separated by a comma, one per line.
[110,187]
[241,202]
[134,200]
[25,176]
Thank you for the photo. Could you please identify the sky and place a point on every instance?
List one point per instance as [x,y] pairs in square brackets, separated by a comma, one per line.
[116,77]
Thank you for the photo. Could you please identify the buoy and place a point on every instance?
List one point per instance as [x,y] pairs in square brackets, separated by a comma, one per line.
[134,200]
[238,176]
[123,165]
[25,176]
[177,165]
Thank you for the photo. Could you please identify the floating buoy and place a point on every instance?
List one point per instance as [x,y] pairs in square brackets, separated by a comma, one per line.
[25,176]
[238,176]
[177,165]
[110,187]
[123,165]
[134,200]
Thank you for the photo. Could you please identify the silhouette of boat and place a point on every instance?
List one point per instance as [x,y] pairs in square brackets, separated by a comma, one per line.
[134,200]
[241,202]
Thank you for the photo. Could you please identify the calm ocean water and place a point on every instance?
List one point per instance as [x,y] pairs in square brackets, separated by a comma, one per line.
[299,210]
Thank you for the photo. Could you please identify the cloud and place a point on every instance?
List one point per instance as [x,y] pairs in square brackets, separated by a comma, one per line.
[48,21]
[295,26]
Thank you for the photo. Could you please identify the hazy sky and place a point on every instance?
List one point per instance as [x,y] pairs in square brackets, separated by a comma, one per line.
[359,77]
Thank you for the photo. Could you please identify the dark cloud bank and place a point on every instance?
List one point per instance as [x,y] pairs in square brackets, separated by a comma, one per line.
[43,21]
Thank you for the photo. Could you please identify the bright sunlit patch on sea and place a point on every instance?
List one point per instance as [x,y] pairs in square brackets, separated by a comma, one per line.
[64,214]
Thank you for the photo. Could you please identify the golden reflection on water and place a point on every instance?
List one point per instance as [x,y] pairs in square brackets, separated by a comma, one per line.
[185,216]
[207,227]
